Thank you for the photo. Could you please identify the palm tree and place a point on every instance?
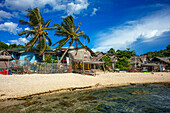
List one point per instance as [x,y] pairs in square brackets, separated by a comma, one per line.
[36,22]
[71,34]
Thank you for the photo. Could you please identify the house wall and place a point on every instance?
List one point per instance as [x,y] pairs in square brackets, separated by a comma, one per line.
[30,56]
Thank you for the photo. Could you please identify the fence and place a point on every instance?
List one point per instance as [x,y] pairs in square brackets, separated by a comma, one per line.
[23,66]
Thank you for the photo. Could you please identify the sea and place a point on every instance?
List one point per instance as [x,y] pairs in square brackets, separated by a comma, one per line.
[135,98]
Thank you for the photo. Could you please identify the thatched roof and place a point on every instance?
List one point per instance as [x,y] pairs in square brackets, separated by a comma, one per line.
[5,56]
[164,59]
[135,59]
[98,57]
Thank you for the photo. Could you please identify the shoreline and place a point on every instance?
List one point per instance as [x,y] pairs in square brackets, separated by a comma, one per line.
[71,89]
[101,81]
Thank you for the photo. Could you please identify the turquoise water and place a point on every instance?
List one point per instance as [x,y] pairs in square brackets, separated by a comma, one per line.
[138,98]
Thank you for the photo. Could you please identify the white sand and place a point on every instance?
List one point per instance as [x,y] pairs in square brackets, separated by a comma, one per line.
[12,86]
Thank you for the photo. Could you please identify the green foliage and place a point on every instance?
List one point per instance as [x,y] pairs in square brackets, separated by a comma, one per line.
[107,60]
[36,22]
[38,46]
[71,34]
[3,46]
[111,52]
[15,46]
[161,53]
[125,53]
[49,59]
[123,64]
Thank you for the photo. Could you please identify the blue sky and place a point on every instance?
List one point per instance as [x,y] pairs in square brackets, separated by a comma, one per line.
[142,25]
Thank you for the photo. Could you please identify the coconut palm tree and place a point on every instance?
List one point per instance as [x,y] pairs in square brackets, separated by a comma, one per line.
[38,33]
[71,33]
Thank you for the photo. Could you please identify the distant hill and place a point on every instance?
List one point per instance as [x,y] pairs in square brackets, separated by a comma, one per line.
[161,53]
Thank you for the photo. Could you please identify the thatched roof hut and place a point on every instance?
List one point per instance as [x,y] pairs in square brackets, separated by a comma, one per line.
[4,58]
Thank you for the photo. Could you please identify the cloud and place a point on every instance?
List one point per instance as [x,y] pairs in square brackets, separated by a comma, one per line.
[27,28]
[21,41]
[146,28]
[6,15]
[69,7]
[94,11]
[10,27]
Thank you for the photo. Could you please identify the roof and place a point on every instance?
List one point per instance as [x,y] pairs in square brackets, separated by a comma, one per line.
[92,53]
[4,55]
[21,50]
[135,59]
[164,59]
[98,57]
[142,58]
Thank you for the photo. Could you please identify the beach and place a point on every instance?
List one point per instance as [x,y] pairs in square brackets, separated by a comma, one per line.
[15,86]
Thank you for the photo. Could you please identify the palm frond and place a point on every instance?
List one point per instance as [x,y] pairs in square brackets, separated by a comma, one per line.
[23,22]
[85,37]
[60,41]
[78,27]
[43,44]
[47,24]
[63,43]
[25,32]
[32,42]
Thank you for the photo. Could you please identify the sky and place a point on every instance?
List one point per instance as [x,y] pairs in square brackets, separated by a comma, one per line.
[141,25]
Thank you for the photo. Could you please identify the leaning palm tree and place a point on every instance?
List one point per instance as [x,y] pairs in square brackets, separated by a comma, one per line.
[39,36]
[71,33]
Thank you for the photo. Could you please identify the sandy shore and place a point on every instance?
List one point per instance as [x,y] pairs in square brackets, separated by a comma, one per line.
[13,86]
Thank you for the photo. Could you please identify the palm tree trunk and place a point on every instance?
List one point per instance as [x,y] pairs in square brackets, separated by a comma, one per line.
[63,55]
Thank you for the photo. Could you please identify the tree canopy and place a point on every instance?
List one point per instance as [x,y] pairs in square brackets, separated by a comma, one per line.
[38,33]
[71,34]
[123,63]
[161,53]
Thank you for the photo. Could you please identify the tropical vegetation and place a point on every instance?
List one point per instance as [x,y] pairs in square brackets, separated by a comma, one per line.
[71,33]
[123,63]
[37,32]
[161,53]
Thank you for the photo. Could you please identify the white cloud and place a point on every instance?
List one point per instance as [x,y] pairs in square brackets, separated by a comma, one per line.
[70,7]
[21,41]
[4,14]
[7,44]
[146,28]
[94,11]
[27,28]
[10,27]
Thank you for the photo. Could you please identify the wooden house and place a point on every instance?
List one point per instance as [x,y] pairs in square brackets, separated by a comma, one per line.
[163,62]
[84,58]
[5,57]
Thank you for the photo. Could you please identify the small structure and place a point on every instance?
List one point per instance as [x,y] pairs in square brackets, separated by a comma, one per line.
[5,57]
[137,62]
[163,62]
[32,56]
[114,59]
[83,59]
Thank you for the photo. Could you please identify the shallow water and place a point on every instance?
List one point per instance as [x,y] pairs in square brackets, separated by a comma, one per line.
[135,98]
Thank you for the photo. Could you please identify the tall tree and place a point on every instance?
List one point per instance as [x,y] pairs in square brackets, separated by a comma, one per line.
[36,22]
[71,33]
[123,63]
